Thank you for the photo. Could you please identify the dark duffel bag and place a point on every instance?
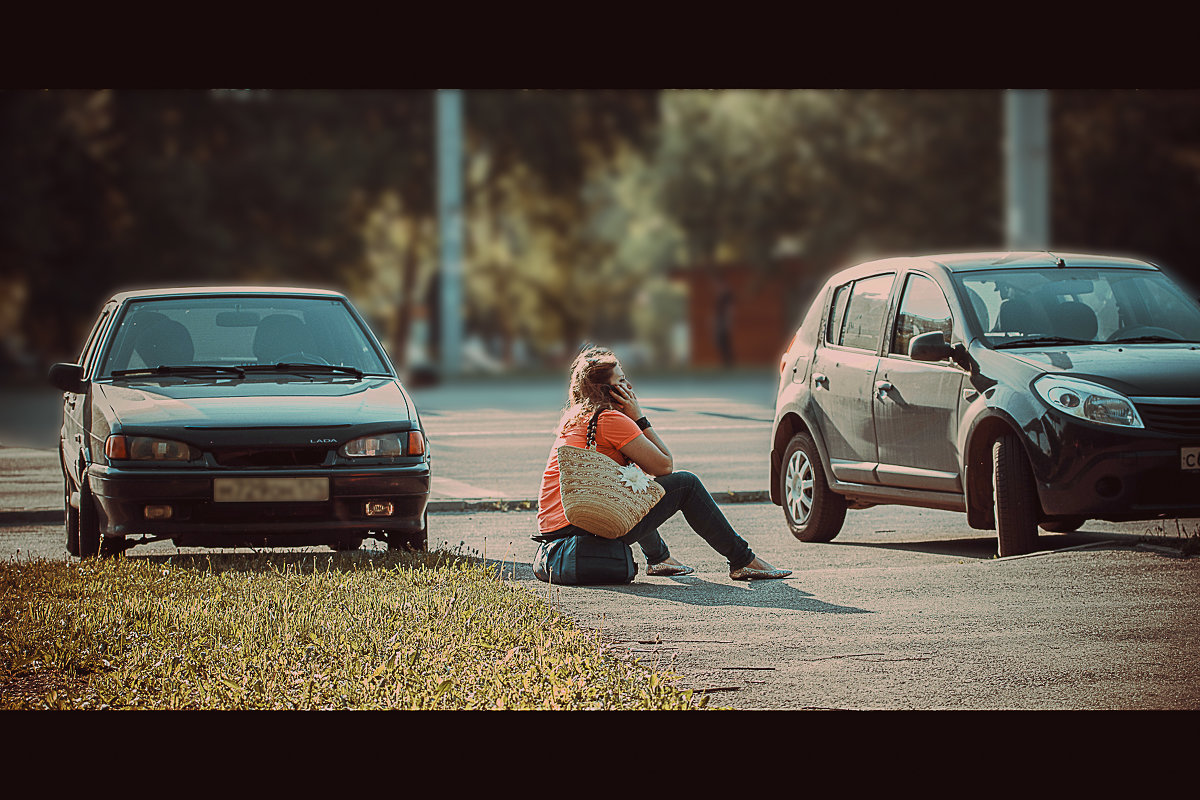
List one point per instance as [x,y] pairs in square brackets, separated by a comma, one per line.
[583,559]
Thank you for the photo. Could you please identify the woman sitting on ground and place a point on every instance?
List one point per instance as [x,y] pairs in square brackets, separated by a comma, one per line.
[624,434]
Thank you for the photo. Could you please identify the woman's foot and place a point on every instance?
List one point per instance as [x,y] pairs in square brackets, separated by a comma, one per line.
[669,568]
[758,570]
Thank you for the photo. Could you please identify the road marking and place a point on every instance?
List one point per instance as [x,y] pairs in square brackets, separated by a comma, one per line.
[448,487]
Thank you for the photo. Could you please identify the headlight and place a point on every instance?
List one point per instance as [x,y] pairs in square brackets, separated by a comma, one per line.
[1088,401]
[147,448]
[385,445]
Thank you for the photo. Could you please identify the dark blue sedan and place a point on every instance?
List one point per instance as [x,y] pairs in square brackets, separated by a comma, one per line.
[238,416]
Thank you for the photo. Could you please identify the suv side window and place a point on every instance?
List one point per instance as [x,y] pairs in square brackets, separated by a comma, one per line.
[864,313]
[923,309]
[837,314]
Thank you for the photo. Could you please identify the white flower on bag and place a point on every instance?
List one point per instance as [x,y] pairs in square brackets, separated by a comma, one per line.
[634,478]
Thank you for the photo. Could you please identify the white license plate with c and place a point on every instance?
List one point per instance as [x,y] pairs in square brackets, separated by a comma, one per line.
[1189,458]
[270,490]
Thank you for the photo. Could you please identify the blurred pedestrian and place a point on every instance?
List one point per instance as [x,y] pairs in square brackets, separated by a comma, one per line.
[624,434]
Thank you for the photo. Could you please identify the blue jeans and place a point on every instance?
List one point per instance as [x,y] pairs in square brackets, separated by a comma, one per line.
[686,493]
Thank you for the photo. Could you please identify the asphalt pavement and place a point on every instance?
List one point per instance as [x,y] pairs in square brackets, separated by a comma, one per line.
[907,609]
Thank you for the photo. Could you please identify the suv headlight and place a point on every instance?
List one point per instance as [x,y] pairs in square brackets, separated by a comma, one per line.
[1087,400]
[385,445]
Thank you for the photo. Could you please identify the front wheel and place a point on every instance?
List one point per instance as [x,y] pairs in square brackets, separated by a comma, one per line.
[410,541]
[1063,524]
[88,523]
[813,511]
[346,543]
[1015,496]
[70,519]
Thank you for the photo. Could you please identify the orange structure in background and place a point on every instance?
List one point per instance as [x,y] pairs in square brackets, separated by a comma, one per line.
[739,316]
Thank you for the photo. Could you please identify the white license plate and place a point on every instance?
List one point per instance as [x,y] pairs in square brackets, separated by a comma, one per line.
[1189,458]
[270,490]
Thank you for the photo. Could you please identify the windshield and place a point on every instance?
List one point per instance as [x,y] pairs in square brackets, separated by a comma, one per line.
[239,331]
[1066,305]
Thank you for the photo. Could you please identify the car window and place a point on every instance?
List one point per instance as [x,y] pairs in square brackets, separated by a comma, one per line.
[865,311]
[837,314]
[239,330]
[1084,305]
[88,355]
[923,309]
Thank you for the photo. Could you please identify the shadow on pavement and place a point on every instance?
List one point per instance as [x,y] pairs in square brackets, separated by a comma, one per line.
[984,547]
[695,591]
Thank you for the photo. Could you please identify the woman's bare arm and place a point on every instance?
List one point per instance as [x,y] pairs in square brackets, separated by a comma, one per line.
[648,451]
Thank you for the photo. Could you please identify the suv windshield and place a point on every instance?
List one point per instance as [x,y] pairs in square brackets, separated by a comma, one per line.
[1072,306]
[238,331]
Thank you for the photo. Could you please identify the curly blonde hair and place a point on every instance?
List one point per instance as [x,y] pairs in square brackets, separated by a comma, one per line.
[591,369]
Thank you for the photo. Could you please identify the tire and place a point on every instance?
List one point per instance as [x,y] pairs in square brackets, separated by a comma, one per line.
[411,541]
[346,543]
[814,513]
[70,519]
[1063,524]
[1015,496]
[89,523]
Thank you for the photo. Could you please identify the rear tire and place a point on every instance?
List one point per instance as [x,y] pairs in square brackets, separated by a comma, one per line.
[1063,524]
[1015,496]
[814,513]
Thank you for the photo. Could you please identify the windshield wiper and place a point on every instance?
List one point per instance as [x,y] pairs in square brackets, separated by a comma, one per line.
[191,369]
[293,367]
[1153,338]
[1040,340]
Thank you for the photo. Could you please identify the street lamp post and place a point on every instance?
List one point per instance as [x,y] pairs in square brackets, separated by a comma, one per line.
[1027,173]
[450,227]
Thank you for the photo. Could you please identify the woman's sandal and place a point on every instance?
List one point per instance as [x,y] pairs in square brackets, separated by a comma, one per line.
[748,574]
[665,570]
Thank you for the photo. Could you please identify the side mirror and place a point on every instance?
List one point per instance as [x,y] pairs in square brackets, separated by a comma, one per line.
[929,347]
[67,377]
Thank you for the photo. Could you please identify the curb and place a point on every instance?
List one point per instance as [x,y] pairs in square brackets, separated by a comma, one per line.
[55,515]
[477,505]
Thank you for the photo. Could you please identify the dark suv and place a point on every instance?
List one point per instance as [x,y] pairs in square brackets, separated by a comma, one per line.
[1024,388]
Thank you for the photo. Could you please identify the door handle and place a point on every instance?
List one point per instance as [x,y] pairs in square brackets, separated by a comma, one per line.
[820,379]
[881,389]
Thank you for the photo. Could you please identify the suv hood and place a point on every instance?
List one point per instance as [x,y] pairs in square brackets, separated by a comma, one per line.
[256,403]
[1136,370]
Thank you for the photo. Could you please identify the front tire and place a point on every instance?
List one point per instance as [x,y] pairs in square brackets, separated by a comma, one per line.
[1063,524]
[346,543]
[70,519]
[1015,497]
[814,513]
[412,541]
[89,536]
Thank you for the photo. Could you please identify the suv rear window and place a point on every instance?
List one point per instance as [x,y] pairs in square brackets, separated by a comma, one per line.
[858,321]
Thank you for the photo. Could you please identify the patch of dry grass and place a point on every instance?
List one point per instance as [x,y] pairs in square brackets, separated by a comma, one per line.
[356,630]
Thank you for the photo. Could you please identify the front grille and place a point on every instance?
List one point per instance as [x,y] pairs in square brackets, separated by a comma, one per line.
[1177,419]
[273,457]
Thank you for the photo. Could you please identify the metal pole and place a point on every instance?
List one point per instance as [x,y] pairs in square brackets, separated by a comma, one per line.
[450,225]
[1027,169]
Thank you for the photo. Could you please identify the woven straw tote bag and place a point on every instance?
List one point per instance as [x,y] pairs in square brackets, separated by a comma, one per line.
[598,495]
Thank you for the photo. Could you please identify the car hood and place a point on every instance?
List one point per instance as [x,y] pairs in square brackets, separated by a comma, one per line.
[256,403]
[1138,370]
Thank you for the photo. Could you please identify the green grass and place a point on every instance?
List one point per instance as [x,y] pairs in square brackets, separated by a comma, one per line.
[302,631]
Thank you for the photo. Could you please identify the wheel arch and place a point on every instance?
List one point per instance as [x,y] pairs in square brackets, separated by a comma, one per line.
[977,466]
[788,426]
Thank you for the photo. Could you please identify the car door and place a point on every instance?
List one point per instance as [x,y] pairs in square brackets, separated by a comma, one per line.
[843,375]
[73,433]
[915,402]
